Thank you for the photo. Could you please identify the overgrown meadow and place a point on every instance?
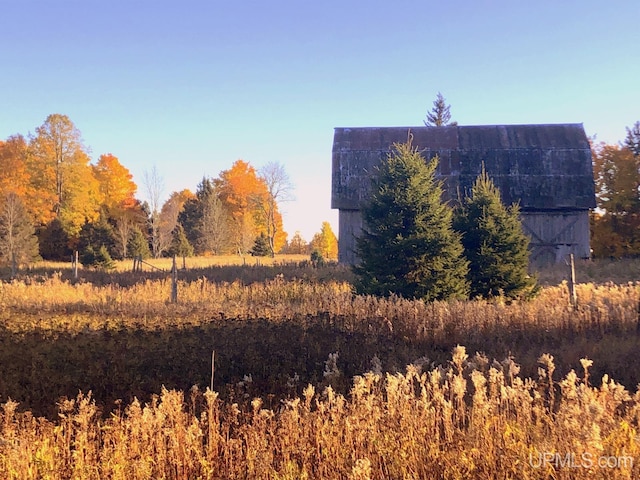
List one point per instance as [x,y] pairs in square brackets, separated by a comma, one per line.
[103,377]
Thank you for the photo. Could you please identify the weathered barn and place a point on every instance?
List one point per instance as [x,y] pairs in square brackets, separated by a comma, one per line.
[547,169]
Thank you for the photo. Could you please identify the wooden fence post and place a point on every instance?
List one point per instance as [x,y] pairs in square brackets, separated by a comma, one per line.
[573,297]
[213,367]
[14,265]
[174,281]
[75,265]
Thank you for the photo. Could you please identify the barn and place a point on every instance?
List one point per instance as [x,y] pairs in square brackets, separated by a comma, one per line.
[546,169]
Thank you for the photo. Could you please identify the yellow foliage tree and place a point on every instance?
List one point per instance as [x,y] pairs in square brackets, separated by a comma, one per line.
[325,242]
[61,175]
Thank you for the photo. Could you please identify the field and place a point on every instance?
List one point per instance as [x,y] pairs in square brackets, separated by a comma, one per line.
[103,377]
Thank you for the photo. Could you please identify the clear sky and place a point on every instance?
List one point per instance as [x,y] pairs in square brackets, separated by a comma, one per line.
[191,86]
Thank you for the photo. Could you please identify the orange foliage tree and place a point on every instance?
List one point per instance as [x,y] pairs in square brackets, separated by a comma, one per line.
[117,190]
[14,176]
[117,187]
[244,193]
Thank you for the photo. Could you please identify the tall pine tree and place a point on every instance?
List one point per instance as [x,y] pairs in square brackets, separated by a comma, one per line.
[408,246]
[494,243]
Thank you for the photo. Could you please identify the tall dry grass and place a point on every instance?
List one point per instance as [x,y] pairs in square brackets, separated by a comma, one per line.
[470,419]
[606,307]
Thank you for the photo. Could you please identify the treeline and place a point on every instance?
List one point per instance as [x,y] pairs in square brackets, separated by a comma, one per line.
[615,225]
[54,201]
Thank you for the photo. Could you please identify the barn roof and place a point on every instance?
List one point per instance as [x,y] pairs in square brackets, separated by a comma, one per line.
[543,167]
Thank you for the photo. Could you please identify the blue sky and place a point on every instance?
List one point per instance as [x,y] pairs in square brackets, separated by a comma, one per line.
[192,86]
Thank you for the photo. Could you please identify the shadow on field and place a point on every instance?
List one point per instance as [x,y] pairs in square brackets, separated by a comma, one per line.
[245,274]
[39,368]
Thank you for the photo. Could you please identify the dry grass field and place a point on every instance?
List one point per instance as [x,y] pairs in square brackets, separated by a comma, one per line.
[103,377]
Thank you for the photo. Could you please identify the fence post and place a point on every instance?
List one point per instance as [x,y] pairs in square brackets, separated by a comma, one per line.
[213,366]
[174,281]
[14,265]
[75,265]
[573,297]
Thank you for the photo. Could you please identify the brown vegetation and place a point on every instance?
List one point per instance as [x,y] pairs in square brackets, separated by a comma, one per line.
[293,397]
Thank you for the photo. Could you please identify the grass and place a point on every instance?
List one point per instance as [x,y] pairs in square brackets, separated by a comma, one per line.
[469,419]
[312,381]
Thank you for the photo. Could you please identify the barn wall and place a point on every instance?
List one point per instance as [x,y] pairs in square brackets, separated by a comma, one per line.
[350,226]
[553,235]
[546,169]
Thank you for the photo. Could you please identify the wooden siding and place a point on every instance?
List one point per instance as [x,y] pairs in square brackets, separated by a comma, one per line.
[546,169]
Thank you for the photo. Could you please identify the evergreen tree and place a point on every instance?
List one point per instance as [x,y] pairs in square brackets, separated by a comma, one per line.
[99,234]
[408,246]
[54,242]
[138,244]
[192,215]
[99,258]
[632,141]
[261,247]
[180,246]
[440,114]
[494,243]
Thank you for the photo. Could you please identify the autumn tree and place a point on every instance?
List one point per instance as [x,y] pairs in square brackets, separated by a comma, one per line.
[125,221]
[440,114]
[213,227]
[116,184]
[14,176]
[297,245]
[154,186]
[278,189]
[408,246]
[616,226]
[240,189]
[325,242]
[18,242]
[59,168]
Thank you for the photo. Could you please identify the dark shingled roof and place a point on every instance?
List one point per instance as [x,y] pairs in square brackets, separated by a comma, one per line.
[543,167]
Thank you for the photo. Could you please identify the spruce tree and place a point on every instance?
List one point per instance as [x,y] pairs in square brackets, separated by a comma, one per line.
[138,245]
[99,259]
[440,114]
[54,242]
[180,245]
[408,246]
[261,246]
[98,234]
[494,243]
